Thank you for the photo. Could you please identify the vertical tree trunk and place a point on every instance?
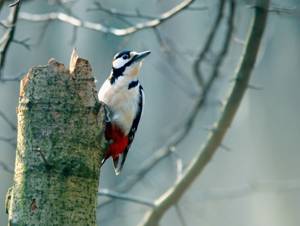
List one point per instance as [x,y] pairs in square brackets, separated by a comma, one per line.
[60,147]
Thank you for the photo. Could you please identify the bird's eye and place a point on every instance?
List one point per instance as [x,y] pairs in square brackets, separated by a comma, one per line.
[125,57]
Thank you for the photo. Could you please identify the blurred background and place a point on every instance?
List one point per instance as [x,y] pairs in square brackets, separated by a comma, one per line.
[253,179]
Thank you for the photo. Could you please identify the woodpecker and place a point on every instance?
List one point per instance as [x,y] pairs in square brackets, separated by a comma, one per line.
[124,95]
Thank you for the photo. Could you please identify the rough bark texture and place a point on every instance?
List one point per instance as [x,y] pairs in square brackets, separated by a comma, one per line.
[60,147]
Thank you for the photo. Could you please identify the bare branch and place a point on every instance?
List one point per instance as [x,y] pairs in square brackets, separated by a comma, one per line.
[180,215]
[279,10]
[4,24]
[225,147]
[23,43]
[169,49]
[12,79]
[228,36]
[9,34]
[164,151]
[167,149]
[250,188]
[6,168]
[101,27]
[17,2]
[284,11]
[11,141]
[63,1]
[239,41]
[196,167]
[114,12]
[207,45]
[179,168]
[250,86]
[7,120]
[116,195]
[197,8]
[63,5]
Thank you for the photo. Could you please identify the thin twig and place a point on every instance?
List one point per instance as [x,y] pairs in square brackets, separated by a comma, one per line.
[17,2]
[116,195]
[6,168]
[209,41]
[11,141]
[7,120]
[247,189]
[101,27]
[114,12]
[12,79]
[196,167]
[228,36]
[64,1]
[250,86]
[23,43]
[170,53]
[64,7]
[180,215]
[4,25]
[197,8]
[225,147]
[279,10]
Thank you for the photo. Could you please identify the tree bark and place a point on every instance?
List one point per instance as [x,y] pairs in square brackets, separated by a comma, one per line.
[59,149]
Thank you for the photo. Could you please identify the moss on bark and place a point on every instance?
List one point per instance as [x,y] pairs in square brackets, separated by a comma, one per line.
[60,147]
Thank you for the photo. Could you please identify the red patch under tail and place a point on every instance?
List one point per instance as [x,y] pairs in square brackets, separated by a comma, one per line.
[119,141]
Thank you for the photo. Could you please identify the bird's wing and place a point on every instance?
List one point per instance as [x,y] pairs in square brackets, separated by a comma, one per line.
[119,162]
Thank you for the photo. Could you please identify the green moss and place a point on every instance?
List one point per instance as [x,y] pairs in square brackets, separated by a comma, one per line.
[60,147]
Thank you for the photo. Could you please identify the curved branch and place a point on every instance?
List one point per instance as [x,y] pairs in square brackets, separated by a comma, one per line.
[167,149]
[102,28]
[171,196]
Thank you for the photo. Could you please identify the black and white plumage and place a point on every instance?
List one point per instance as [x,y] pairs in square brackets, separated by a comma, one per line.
[124,95]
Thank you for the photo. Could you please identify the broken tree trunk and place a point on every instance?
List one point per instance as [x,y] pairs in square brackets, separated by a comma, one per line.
[60,147]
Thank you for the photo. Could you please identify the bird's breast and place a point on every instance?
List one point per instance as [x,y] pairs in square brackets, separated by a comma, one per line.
[124,104]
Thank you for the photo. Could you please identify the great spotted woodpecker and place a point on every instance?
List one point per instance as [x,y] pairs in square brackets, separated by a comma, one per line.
[124,95]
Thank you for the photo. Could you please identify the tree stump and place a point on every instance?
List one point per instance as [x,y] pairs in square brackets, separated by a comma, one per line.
[60,147]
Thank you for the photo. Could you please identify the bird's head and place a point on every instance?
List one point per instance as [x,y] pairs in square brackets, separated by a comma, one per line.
[128,63]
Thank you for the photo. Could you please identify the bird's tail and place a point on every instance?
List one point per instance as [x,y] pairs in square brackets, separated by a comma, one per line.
[117,166]
[103,161]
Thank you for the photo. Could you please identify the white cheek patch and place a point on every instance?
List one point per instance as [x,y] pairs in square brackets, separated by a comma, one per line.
[120,62]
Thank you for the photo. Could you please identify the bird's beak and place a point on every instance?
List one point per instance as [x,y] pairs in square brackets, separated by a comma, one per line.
[140,56]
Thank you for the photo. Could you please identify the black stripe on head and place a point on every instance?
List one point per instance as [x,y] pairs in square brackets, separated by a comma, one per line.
[122,53]
[117,72]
